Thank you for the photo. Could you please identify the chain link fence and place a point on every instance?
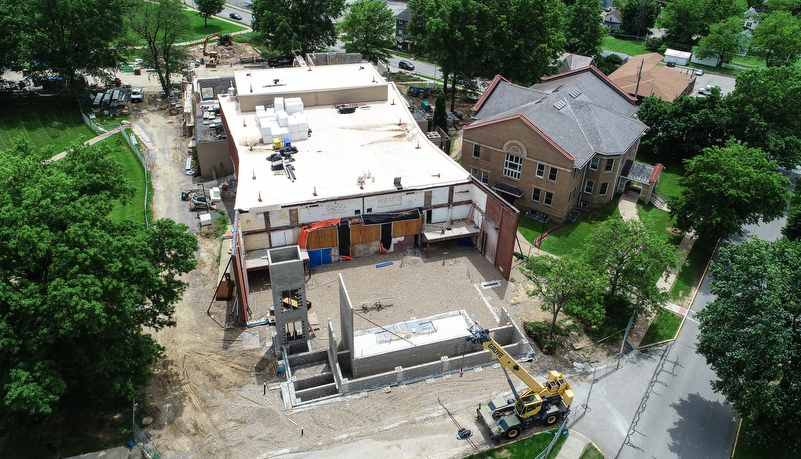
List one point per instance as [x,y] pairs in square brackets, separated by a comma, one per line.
[556,436]
[144,443]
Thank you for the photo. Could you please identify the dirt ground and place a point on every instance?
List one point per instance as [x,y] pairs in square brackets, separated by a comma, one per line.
[208,396]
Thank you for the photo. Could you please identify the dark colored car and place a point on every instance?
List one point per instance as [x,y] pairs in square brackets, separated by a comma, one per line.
[670,64]
[405,65]
[236,16]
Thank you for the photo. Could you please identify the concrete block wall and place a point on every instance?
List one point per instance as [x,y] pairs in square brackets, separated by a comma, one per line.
[345,315]
[314,394]
[313,381]
[287,274]
[306,358]
[332,356]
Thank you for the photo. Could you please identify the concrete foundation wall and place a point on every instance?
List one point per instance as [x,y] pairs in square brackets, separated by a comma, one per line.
[307,358]
[332,355]
[314,393]
[313,381]
[345,315]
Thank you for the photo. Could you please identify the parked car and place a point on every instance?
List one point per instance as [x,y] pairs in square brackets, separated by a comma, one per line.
[699,72]
[707,90]
[236,16]
[405,65]
[137,95]
[670,64]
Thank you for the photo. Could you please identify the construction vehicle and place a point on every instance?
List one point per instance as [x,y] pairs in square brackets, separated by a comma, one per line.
[224,40]
[213,59]
[538,405]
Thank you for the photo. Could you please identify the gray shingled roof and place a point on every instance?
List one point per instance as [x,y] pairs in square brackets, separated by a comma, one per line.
[579,111]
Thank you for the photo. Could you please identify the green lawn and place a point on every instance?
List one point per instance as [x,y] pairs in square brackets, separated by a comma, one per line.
[571,237]
[669,179]
[591,452]
[664,327]
[133,172]
[692,271]
[658,221]
[631,47]
[46,121]
[200,30]
[524,449]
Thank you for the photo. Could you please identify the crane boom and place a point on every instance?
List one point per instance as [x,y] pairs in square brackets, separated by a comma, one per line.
[481,336]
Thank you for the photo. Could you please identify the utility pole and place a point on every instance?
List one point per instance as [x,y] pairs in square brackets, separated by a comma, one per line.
[639,75]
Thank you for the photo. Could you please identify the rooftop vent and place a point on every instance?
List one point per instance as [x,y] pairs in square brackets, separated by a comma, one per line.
[560,104]
[398,183]
[575,93]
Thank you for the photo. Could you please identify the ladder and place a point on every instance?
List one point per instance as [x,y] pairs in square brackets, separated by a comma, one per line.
[470,213]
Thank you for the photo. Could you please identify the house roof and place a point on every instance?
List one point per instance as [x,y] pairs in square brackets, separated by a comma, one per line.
[575,61]
[662,82]
[613,16]
[642,173]
[580,112]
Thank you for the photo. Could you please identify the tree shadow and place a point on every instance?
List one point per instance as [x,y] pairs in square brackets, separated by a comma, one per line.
[702,429]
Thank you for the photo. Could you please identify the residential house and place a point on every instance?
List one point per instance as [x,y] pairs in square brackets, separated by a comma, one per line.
[571,61]
[557,147]
[613,19]
[401,21]
[643,77]
[751,20]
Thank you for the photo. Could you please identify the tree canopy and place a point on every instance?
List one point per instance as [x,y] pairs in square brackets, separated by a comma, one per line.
[162,25]
[638,16]
[778,38]
[584,32]
[77,291]
[368,28]
[684,127]
[568,284]
[766,112]
[63,38]
[725,188]
[687,20]
[632,258]
[208,8]
[723,40]
[305,25]
[750,335]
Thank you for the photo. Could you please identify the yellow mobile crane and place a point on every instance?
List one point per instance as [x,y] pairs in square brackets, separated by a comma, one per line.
[538,405]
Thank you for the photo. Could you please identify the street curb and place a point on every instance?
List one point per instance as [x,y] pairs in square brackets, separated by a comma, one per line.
[736,438]
[708,264]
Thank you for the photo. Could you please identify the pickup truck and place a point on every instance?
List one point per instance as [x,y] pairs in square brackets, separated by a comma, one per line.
[137,95]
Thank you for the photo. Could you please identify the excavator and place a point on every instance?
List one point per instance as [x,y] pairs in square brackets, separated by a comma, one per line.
[224,40]
[540,404]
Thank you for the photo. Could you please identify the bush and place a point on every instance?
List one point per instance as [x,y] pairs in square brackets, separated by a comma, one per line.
[653,44]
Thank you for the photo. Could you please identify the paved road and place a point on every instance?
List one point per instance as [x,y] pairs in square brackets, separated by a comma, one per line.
[235,6]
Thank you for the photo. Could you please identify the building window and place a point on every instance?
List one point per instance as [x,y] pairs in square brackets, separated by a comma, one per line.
[540,170]
[512,166]
[570,196]
[604,189]
[548,198]
[475,172]
[552,174]
[610,164]
[485,177]
[476,151]
[588,186]
[594,163]
[535,195]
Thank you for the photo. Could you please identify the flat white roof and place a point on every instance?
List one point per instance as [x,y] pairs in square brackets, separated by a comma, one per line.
[342,148]
[292,80]
[412,333]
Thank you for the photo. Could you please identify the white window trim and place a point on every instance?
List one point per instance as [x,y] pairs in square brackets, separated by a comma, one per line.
[540,194]
[592,186]
[481,179]
[537,173]
[513,174]
[476,151]
[555,171]
[608,162]
[546,197]
[595,160]
[601,191]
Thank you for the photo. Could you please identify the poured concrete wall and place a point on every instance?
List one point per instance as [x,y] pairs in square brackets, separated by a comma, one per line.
[287,274]
[345,316]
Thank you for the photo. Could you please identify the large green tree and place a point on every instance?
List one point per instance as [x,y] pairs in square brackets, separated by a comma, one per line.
[63,38]
[766,112]
[778,38]
[750,335]
[162,25]
[723,40]
[687,20]
[632,258]
[584,32]
[304,25]
[567,284]
[682,128]
[209,8]
[792,230]
[639,16]
[725,188]
[368,28]
[79,294]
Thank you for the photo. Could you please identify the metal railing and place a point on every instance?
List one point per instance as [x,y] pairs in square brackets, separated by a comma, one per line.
[551,445]
[148,448]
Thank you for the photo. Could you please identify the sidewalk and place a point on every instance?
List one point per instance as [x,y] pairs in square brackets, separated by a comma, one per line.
[573,446]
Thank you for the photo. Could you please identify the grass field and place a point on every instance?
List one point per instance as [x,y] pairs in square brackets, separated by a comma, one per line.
[692,271]
[631,47]
[134,173]
[571,237]
[669,179]
[46,121]
[524,449]
[591,452]
[663,327]
[200,30]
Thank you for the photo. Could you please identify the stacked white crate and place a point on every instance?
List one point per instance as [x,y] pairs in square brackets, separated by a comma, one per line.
[285,120]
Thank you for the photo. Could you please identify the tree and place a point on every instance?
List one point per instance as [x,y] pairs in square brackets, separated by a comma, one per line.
[684,127]
[725,188]
[567,284]
[638,16]
[723,40]
[440,112]
[750,335]
[162,25]
[584,32]
[209,8]
[63,38]
[778,38]
[687,20]
[792,230]
[368,29]
[766,112]
[79,294]
[608,64]
[305,25]
[632,258]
